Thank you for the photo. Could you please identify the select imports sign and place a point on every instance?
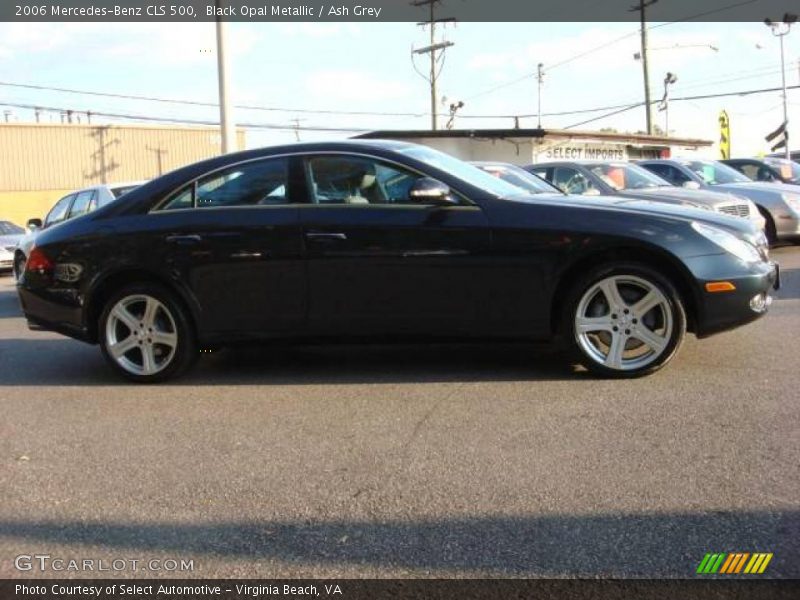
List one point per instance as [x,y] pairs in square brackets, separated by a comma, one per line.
[578,151]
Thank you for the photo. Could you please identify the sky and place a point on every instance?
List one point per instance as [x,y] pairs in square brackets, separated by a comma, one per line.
[367,67]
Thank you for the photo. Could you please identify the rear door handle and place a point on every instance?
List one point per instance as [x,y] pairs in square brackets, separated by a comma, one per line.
[324,235]
[184,239]
[246,255]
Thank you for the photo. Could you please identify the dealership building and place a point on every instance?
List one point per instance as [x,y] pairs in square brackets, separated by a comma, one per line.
[43,162]
[526,146]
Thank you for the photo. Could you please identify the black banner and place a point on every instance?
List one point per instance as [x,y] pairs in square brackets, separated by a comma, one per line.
[350,589]
[393,10]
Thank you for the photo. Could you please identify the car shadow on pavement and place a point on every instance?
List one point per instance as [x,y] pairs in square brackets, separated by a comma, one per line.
[610,545]
[9,303]
[47,361]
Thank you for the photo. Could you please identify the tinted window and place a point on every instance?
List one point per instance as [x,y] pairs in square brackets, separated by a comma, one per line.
[258,183]
[669,173]
[571,181]
[59,211]
[82,204]
[356,180]
[714,172]
[519,178]
[118,191]
[624,176]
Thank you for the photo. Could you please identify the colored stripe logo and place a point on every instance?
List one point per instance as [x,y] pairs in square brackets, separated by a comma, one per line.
[734,563]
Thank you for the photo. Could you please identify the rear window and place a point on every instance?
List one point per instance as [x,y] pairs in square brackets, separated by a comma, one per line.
[118,191]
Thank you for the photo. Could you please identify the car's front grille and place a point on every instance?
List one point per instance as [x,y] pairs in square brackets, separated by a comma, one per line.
[737,210]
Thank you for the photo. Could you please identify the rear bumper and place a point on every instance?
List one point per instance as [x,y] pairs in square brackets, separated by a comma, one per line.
[53,310]
[722,311]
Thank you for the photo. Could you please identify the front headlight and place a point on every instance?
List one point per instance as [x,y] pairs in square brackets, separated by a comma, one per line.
[727,241]
[793,200]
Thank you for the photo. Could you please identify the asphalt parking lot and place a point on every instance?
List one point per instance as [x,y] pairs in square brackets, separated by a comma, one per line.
[407,461]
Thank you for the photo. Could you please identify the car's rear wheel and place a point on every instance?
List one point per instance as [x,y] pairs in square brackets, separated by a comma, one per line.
[625,320]
[145,333]
[19,265]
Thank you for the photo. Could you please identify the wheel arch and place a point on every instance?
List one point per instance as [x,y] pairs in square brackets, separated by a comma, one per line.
[109,283]
[666,264]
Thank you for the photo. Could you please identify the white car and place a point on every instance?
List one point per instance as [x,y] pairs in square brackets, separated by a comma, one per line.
[10,235]
[72,205]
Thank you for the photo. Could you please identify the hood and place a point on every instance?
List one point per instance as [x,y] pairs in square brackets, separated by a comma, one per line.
[676,195]
[624,205]
[760,187]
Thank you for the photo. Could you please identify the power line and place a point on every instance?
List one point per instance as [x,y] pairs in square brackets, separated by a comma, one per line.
[184,121]
[605,45]
[206,104]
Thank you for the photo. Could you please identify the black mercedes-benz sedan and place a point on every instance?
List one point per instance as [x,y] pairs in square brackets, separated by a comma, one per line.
[387,240]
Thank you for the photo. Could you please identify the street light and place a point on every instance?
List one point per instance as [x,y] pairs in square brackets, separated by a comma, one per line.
[781,29]
[669,80]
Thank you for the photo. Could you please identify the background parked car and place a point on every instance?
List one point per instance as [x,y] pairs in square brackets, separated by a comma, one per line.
[518,176]
[779,203]
[10,234]
[767,169]
[70,206]
[594,178]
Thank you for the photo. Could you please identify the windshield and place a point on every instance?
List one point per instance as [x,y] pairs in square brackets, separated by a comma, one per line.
[8,228]
[789,170]
[458,168]
[624,176]
[521,178]
[714,172]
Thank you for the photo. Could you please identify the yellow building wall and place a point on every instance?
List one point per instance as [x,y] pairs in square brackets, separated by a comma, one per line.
[40,163]
[18,207]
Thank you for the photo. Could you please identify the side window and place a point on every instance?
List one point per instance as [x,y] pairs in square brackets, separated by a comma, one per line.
[59,211]
[260,183]
[82,203]
[356,180]
[571,181]
[541,173]
[668,172]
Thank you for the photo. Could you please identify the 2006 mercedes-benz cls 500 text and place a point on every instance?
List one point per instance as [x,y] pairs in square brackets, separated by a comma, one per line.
[387,240]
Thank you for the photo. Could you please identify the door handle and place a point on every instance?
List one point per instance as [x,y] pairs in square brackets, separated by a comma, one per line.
[246,255]
[184,239]
[323,235]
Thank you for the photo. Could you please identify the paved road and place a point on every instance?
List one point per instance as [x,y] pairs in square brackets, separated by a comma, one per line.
[409,461]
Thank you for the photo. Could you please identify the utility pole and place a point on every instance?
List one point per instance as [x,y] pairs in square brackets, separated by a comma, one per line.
[645,66]
[435,50]
[540,79]
[781,30]
[296,128]
[228,129]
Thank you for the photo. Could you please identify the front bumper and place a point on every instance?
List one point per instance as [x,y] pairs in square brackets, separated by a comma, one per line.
[721,311]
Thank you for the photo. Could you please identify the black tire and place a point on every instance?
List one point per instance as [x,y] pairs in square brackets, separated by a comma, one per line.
[185,350]
[637,273]
[19,265]
[769,227]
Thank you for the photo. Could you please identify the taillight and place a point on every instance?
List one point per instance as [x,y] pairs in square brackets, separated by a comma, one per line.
[38,262]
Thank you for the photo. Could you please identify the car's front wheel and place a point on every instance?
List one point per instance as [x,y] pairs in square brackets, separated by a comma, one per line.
[625,320]
[145,333]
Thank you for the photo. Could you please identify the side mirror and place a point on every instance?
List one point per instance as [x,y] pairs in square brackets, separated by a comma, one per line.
[34,224]
[691,185]
[430,191]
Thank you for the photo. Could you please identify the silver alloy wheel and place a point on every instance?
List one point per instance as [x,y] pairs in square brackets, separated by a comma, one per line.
[141,335]
[623,322]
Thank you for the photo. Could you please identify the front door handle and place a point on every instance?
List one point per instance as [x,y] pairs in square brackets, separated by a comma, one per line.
[325,235]
[246,255]
[184,239]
